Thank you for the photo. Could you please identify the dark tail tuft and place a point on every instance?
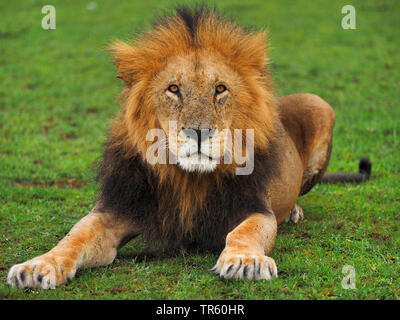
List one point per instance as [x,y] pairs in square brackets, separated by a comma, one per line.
[364,169]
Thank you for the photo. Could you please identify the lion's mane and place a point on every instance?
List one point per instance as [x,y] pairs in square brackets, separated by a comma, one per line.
[172,206]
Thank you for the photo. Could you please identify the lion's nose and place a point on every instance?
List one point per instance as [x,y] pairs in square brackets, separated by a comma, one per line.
[199,135]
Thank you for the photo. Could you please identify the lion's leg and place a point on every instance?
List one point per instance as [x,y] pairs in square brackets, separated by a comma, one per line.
[295,215]
[93,241]
[246,248]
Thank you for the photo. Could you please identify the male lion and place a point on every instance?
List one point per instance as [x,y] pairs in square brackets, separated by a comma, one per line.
[206,74]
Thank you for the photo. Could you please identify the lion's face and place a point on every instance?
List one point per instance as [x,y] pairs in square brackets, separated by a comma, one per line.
[201,82]
[196,94]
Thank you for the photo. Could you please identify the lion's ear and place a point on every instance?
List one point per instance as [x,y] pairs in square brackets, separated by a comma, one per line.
[125,59]
[252,52]
[257,50]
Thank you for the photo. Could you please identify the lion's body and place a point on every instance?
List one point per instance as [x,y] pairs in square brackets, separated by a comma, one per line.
[307,142]
[216,77]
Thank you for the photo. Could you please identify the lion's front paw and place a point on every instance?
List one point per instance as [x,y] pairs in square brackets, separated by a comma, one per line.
[232,264]
[295,215]
[45,272]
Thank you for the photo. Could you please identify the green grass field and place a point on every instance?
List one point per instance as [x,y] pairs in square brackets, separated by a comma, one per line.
[58,94]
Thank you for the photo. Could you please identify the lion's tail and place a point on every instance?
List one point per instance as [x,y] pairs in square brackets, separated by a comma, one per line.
[364,171]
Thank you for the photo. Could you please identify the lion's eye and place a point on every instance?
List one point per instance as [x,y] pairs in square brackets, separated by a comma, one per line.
[220,88]
[173,88]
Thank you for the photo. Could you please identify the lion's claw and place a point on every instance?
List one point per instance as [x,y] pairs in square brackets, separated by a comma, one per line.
[41,272]
[245,266]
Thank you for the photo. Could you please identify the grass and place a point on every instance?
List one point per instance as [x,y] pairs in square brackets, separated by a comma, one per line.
[58,94]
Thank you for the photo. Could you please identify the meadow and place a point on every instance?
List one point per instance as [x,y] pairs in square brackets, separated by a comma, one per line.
[58,95]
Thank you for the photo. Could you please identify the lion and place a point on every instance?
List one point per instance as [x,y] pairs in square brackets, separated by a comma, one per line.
[204,73]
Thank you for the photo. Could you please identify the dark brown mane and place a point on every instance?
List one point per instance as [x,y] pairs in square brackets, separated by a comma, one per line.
[130,187]
[190,16]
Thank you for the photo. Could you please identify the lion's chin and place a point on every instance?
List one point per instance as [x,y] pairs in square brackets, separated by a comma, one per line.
[198,163]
